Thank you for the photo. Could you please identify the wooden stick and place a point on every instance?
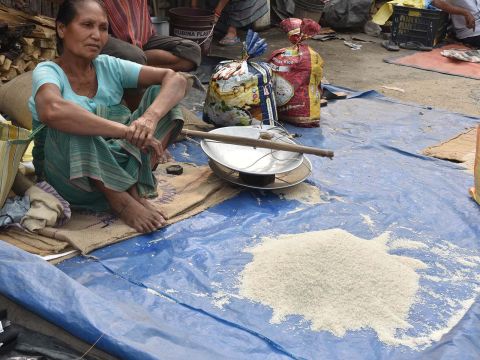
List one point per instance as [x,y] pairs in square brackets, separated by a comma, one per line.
[242,141]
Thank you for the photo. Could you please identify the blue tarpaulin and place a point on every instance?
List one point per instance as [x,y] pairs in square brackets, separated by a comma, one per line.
[152,297]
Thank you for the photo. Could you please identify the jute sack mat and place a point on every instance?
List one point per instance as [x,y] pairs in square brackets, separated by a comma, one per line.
[460,149]
[180,197]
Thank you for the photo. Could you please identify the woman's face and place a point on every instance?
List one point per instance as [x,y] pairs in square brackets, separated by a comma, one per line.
[87,33]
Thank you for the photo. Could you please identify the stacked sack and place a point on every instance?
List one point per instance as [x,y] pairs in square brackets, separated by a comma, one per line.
[297,75]
[241,91]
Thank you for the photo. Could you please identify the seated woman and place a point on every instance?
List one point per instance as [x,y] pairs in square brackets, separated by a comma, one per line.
[93,150]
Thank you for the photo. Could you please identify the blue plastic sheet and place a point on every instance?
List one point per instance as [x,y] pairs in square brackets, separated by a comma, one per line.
[152,297]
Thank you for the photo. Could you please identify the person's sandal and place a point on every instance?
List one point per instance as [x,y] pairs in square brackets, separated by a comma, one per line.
[229,41]
[390,45]
[415,45]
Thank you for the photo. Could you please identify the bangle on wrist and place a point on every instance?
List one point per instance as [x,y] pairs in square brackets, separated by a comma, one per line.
[217,14]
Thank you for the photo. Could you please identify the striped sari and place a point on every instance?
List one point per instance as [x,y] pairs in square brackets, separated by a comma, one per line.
[71,161]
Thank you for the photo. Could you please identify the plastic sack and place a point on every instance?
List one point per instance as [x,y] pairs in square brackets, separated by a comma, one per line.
[240,92]
[344,14]
[475,191]
[13,143]
[297,75]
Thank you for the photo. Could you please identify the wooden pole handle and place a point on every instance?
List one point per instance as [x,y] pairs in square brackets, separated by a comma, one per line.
[242,141]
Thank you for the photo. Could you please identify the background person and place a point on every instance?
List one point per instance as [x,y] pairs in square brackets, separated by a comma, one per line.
[465,18]
[234,14]
[130,24]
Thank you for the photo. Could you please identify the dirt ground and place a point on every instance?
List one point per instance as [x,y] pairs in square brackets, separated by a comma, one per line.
[365,69]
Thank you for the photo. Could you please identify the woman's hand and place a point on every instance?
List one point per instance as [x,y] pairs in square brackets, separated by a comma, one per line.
[156,148]
[140,132]
[158,153]
[469,20]
[216,16]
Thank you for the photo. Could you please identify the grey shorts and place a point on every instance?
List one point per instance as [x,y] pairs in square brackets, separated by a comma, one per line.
[183,48]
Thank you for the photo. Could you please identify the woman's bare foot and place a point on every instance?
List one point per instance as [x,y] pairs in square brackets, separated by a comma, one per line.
[148,205]
[131,211]
[153,208]
[141,218]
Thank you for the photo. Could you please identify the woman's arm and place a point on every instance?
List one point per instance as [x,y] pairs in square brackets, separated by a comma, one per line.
[456,10]
[173,87]
[220,6]
[218,9]
[56,112]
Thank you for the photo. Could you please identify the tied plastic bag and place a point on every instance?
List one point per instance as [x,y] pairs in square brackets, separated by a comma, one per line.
[297,75]
[241,91]
[475,191]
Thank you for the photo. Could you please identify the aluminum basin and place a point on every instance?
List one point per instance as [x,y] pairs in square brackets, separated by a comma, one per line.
[252,160]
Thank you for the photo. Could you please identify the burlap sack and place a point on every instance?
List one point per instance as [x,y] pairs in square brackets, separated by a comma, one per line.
[459,149]
[192,122]
[14,97]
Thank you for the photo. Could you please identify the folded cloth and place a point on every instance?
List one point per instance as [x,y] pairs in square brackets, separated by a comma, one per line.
[47,208]
[67,213]
[468,55]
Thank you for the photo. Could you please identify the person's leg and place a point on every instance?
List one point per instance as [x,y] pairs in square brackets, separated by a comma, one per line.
[169,126]
[124,50]
[172,53]
[165,157]
[165,59]
[230,37]
[92,173]
[167,130]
